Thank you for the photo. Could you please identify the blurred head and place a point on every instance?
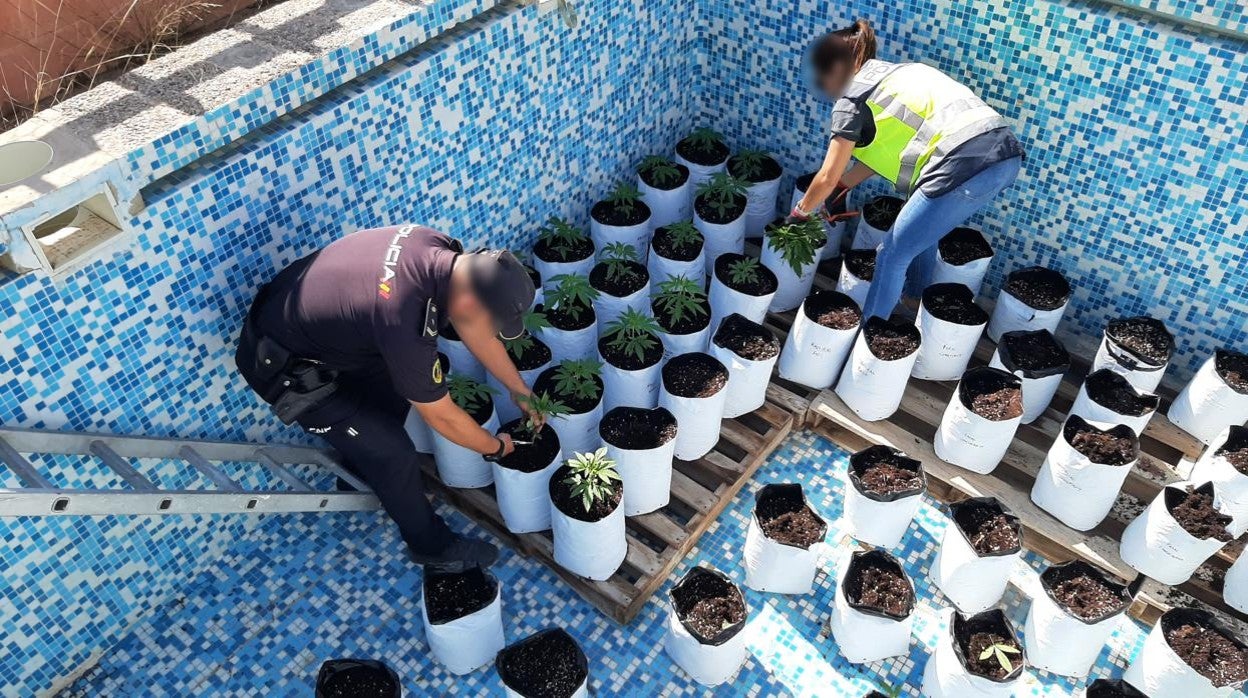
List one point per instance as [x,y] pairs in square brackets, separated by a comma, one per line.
[837,56]
[493,283]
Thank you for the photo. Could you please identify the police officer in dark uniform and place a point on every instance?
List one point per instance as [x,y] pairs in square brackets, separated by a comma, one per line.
[344,341]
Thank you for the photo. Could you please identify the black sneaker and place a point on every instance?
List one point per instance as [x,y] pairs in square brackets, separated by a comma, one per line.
[461,554]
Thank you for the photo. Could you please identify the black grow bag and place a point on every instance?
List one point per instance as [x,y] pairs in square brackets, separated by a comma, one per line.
[580,663]
[789,490]
[965,512]
[682,603]
[990,621]
[1113,391]
[1128,358]
[357,678]
[859,462]
[1113,688]
[1076,424]
[985,379]
[1056,574]
[859,562]
[1012,351]
[1177,617]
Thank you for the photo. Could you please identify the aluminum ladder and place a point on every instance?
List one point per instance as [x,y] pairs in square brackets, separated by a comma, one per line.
[39,497]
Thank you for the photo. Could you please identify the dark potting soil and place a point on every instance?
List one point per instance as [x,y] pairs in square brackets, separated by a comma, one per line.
[545,383]
[832,310]
[581,249]
[989,666]
[618,357]
[1039,288]
[881,212]
[1235,450]
[534,457]
[358,682]
[1232,367]
[712,215]
[1143,336]
[785,517]
[953,303]
[889,340]
[623,284]
[1113,688]
[1035,351]
[769,170]
[708,604]
[884,589]
[1210,653]
[888,476]
[963,246]
[664,246]
[861,263]
[572,505]
[710,156]
[998,405]
[1198,516]
[746,339]
[1115,392]
[766,283]
[1109,447]
[1087,597]
[608,213]
[688,324]
[988,531]
[694,375]
[637,429]
[451,595]
[647,174]
[536,355]
[561,319]
[548,666]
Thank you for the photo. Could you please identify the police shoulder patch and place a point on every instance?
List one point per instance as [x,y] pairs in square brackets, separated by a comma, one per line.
[437,370]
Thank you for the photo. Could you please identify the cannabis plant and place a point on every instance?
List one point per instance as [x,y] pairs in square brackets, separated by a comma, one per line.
[1000,651]
[798,242]
[572,295]
[617,257]
[561,236]
[748,164]
[704,139]
[744,271]
[624,197]
[659,169]
[633,333]
[720,192]
[592,477]
[680,297]
[578,379]
[684,235]
[534,322]
[544,407]
[467,392]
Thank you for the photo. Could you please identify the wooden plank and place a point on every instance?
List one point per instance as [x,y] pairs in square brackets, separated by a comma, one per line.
[691,493]
[660,526]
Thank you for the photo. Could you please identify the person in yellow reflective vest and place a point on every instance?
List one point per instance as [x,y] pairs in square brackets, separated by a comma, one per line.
[934,139]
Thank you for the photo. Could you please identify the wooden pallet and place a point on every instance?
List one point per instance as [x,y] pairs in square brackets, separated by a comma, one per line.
[657,541]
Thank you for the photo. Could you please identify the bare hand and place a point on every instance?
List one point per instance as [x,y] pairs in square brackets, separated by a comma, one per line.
[537,419]
[509,446]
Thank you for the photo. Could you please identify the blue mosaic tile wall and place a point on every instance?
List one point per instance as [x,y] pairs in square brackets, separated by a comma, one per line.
[460,135]
[1137,139]
[308,589]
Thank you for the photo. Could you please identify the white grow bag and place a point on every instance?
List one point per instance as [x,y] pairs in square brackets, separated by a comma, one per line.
[972,582]
[1207,404]
[1231,485]
[777,567]
[590,549]
[869,237]
[870,386]
[791,288]
[760,205]
[968,440]
[947,346]
[1039,386]
[814,355]
[418,431]
[1077,491]
[720,238]
[698,421]
[709,663]
[835,231]
[725,301]
[462,360]
[463,467]
[1012,314]
[700,173]
[865,634]
[1155,544]
[550,270]
[1062,643]
[1160,673]
[1142,373]
[689,343]
[469,642]
[647,474]
[636,236]
[853,286]
[578,433]
[1091,410]
[747,378]
[880,520]
[663,268]
[622,387]
[1235,589]
[571,344]
[524,498]
[970,275]
[608,308]
[945,676]
[582,691]
[667,205]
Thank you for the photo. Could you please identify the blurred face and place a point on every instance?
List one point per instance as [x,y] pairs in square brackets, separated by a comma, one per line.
[464,304]
[834,81]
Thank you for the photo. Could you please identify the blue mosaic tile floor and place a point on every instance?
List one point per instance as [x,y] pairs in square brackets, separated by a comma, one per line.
[305,589]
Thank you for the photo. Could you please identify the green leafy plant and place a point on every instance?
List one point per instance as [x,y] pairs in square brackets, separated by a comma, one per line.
[592,477]
[704,139]
[680,297]
[578,379]
[684,235]
[561,236]
[660,170]
[468,392]
[744,271]
[617,258]
[633,333]
[534,321]
[572,294]
[720,192]
[888,690]
[624,197]
[543,406]
[749,163]
[797,243]
[1001,652]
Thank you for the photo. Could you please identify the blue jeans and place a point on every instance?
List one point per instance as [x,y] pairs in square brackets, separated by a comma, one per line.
[922,223]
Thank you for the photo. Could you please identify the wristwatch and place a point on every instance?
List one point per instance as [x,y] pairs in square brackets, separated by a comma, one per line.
[497,455]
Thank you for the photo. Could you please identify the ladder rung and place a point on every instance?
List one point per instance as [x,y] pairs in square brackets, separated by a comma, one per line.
[282,472]
[121,466]
[22,467]
[219,478]
[333,466]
